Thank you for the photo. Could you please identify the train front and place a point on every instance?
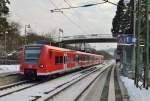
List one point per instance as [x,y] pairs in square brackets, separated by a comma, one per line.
[30,56]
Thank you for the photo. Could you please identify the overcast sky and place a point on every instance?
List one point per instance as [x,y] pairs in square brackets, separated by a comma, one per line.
[91,20]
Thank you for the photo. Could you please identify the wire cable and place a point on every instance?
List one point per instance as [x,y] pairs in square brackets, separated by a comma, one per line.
[78,26]
[67,3]
[72,7]
[110,2]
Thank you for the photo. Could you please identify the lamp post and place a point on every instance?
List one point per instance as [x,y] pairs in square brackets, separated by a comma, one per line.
[26,26]
[60,31]
[50,39]
[5,35]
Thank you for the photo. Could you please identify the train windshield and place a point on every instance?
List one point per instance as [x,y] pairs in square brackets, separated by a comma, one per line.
[32,54]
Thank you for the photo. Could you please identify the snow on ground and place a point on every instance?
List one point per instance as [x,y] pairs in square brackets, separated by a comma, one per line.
[9,68]
[71,93]
[135,94]
[27,94]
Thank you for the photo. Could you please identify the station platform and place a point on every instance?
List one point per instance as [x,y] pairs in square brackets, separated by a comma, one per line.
[108,87]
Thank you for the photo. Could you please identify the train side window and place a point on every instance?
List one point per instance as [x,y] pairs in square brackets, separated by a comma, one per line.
[61,59]
[83,59]
[50,54]
[56,59]
[68,59]
[79,58]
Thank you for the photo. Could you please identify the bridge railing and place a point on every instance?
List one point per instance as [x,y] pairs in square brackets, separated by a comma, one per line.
[92,36]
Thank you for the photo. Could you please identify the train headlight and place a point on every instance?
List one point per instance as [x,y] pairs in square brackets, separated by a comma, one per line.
[41,66]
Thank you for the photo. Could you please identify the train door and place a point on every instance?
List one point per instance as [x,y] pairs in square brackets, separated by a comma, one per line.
[65,61]
[76,60]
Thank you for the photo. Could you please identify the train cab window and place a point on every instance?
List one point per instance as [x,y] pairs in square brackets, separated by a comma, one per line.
[32,54]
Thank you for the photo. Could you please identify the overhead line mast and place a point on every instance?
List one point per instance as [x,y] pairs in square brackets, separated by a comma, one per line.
[142,32]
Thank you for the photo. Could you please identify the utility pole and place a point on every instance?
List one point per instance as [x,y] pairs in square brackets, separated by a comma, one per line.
[141,32]
[138,32]
[6,47]
[134,45]
[146,69]
[25,30]
[50,39]
[59,39]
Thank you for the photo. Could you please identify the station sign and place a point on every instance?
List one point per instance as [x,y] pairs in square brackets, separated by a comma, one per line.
[128,39]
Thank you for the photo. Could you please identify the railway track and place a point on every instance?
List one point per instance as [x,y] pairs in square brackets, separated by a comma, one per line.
[52,94]
[20,86]
[87,87]
[60,87]
[13,84]
[8,74]
[16,88]
[9,78]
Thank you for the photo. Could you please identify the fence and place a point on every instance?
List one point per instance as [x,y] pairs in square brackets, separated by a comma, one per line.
[8,62]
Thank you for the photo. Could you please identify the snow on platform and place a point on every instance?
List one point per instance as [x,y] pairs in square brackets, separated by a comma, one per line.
[136,94]
[9,68]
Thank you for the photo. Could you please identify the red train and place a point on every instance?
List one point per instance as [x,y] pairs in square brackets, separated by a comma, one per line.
[43,60]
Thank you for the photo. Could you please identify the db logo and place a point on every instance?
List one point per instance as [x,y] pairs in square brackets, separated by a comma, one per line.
[30,66]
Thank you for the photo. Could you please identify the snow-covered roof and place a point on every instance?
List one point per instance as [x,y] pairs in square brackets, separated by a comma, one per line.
[57,48]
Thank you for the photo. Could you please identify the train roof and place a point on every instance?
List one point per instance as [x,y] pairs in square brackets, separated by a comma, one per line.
[87,53]
[51,47]
[61,49]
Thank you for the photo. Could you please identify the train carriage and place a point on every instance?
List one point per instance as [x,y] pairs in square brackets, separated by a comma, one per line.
[40,60]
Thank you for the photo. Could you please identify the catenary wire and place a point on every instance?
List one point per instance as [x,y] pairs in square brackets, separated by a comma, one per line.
[68,18]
